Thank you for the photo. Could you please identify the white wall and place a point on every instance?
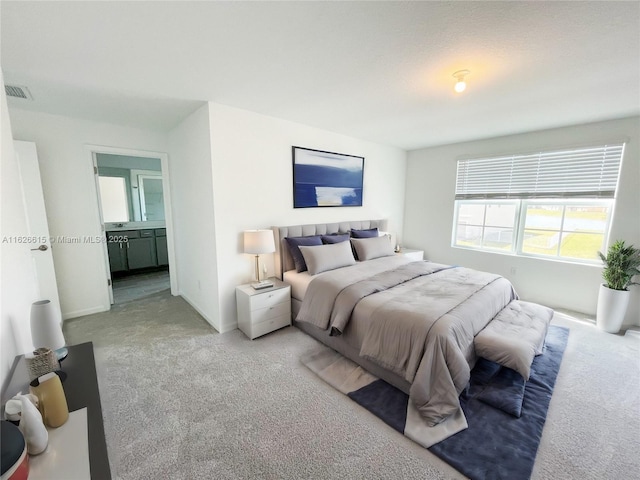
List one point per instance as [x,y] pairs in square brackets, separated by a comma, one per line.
[71,199]
[193,213]
[431,175]
[230,170]
[252,186]
[18,285]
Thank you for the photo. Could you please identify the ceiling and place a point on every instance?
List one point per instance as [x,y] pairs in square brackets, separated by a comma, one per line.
[380,71]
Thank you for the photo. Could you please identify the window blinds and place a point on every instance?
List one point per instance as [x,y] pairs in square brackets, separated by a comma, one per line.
[584,172]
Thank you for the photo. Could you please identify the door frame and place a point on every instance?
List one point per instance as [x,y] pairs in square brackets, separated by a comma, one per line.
[91,152]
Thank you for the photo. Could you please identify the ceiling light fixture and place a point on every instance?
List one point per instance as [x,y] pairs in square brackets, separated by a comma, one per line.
[460,83]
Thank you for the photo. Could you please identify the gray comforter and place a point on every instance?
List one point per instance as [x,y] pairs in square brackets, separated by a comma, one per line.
[423,318]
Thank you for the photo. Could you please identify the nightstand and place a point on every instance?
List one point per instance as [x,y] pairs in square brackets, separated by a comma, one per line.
[263,311]
[411,253]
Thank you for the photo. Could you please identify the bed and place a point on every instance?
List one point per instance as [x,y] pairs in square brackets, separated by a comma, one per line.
[426,314]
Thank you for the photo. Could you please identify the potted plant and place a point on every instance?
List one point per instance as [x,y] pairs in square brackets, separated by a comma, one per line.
[620,266]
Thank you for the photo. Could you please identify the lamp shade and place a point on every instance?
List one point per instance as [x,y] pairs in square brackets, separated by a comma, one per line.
[259,241]
[46,330]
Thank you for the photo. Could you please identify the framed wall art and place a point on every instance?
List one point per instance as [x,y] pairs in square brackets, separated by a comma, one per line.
[326,179]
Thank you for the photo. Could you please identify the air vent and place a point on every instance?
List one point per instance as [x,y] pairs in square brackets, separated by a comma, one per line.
[18,91]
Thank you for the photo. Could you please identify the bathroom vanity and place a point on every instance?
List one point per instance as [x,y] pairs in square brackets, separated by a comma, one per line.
[134,249]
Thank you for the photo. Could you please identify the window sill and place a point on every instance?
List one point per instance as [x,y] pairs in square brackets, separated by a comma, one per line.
[567,261]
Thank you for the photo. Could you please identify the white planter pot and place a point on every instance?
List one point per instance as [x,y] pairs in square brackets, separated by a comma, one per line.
[612,306]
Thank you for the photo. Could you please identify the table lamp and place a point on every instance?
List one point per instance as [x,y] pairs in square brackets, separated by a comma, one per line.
[46,328]
[257,242]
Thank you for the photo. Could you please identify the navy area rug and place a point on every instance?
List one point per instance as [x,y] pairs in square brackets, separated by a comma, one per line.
[505,415]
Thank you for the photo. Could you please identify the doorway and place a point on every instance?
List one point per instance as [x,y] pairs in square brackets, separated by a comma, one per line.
[135,215]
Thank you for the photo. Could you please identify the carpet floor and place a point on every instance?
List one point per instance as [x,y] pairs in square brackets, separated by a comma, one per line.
[183,402]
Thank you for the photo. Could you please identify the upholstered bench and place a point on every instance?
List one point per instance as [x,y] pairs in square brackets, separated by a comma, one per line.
[515,336]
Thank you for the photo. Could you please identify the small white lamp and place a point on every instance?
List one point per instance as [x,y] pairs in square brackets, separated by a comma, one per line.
[46,329]
[258,242]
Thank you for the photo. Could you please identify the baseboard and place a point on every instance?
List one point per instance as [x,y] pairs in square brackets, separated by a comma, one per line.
[195,306]
[633,332]
[229,327]
[87,311]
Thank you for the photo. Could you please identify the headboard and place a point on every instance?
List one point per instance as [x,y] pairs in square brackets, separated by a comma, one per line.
[283,260]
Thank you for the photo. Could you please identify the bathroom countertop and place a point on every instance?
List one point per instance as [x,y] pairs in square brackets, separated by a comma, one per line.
[120,227]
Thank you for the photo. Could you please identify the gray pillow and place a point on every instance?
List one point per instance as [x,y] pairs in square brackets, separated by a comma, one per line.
[321,258]
[373,247]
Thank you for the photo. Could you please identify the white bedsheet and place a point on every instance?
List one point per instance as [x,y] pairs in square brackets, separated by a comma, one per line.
[299,283]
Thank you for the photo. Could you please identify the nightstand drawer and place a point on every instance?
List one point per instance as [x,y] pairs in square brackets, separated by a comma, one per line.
[279,310]
[269,299]
[270,325]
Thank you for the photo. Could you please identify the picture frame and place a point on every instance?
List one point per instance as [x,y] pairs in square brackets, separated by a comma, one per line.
[326,179]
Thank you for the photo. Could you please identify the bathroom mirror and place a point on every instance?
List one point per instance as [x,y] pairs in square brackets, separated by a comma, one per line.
[130,188]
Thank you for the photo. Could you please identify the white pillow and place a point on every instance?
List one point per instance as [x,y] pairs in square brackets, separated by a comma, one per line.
[320,258]
[373,247]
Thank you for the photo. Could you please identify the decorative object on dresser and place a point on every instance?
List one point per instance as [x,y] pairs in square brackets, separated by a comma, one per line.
[79,445]
[326,179]
[41,361]
[263,311]
[52,402]
[15,461]
[258,242]
[46,327]
[31,425]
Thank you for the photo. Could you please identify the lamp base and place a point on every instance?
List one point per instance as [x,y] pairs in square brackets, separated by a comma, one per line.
[262,284]
[62,353]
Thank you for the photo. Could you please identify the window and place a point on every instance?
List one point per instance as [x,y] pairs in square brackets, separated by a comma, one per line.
[567,230]
[550,204]
[486,225]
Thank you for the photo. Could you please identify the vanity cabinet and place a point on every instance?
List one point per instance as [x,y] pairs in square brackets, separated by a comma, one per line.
[141,251]
[117,256]
[133,249]
[161,246]
[118,248]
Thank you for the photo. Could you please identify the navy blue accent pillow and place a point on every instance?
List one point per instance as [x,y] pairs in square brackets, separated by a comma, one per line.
[294,242]
[372,232]
[498,386]
[505,392]
[335,238]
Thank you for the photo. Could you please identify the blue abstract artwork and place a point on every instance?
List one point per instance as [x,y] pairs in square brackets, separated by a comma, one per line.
[326,179]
